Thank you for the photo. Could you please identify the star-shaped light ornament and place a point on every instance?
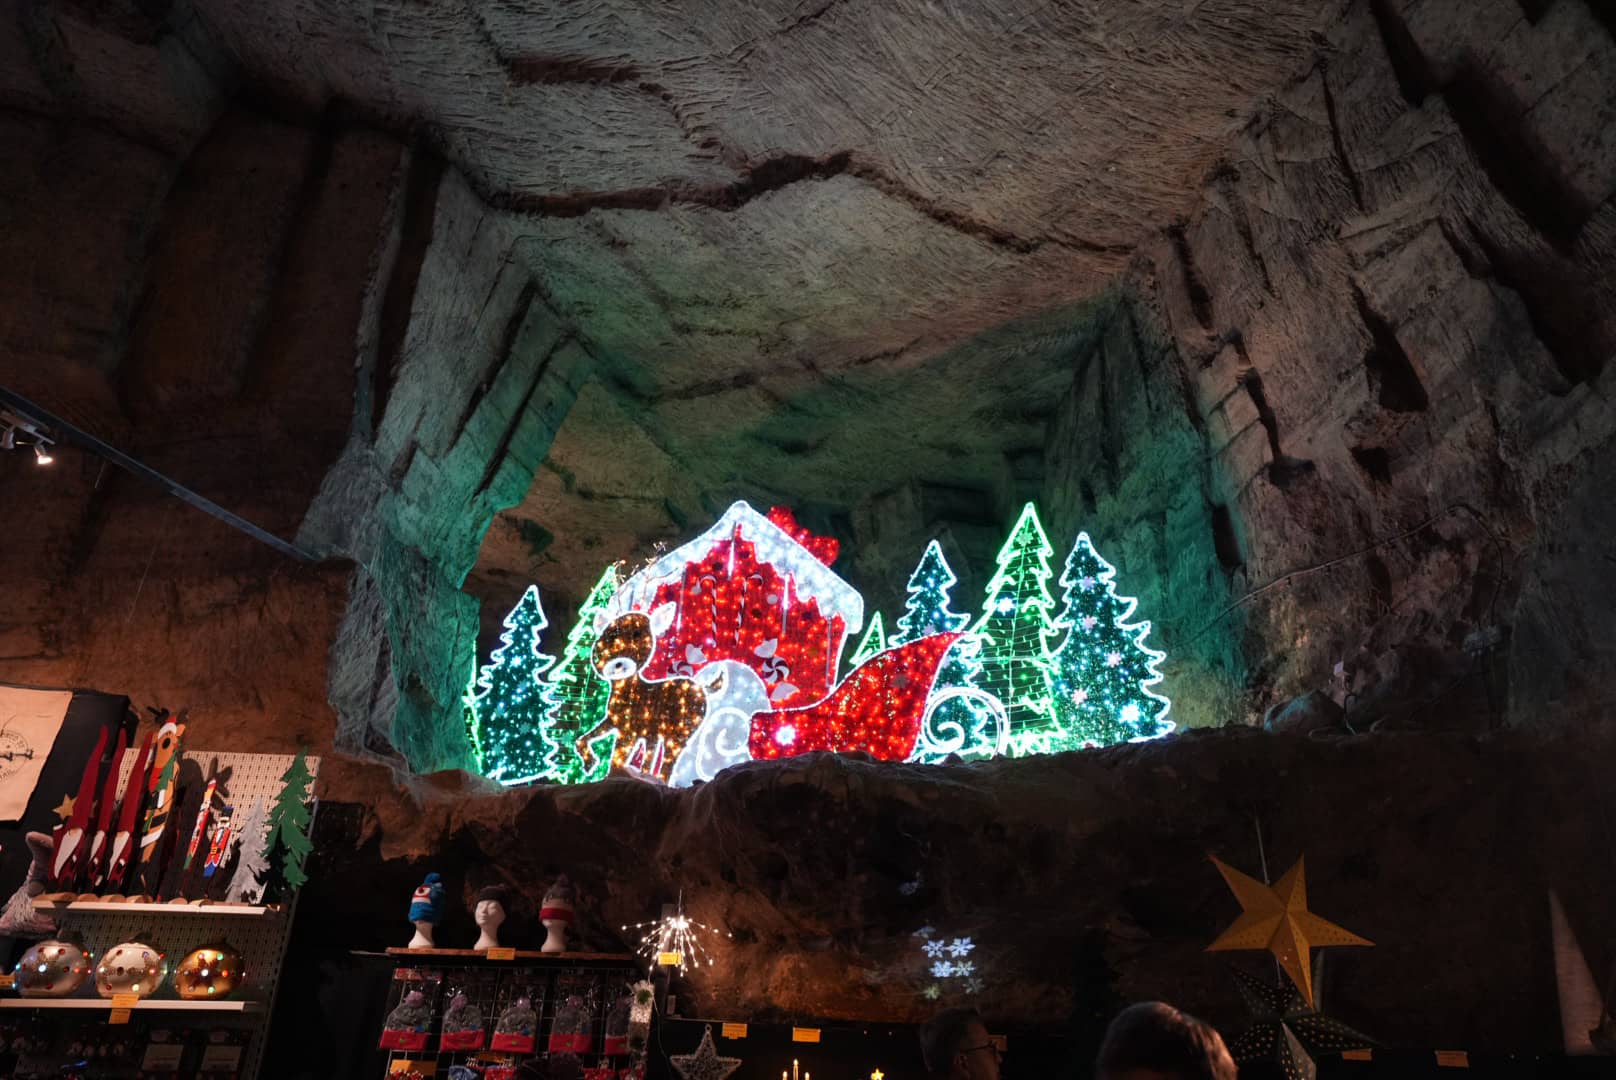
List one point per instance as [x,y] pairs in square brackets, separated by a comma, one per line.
[1287,1030]
[1276,918]
[704,1064]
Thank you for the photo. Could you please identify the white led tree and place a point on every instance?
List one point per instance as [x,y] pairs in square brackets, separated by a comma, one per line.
[1015,619]
[509,703]
[1101,670]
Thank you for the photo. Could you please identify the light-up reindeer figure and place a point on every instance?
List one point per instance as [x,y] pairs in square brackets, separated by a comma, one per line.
[652,718]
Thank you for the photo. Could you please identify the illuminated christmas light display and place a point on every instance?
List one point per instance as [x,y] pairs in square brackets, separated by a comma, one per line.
[749,590]
[674,934]
[960,718]
[1101,672]
[509,703]
[652,718]
[575,695]
[878,709]
[726,650]
[1014,624]
[873,641]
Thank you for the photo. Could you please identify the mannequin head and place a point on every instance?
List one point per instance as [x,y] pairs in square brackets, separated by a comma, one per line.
[490,911]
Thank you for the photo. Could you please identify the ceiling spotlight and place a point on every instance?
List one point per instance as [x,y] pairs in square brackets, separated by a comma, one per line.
[41,455]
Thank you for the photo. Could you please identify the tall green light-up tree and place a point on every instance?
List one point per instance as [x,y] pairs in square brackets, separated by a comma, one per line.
[1101,671]
[960,721]
[1015,619]
[509,705]
[575,695]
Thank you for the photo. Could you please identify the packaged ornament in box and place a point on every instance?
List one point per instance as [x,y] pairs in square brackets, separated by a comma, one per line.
[517,1028]
[572,1032]
[616,1038]
[222,1050]
[410,1021]
[462,1023]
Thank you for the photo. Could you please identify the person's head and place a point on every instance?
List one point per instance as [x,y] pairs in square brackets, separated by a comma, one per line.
[1154,1041]
[955,1045]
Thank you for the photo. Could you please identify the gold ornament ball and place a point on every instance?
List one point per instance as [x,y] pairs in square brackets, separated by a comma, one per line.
[213,971]
[131,968]
[51,969]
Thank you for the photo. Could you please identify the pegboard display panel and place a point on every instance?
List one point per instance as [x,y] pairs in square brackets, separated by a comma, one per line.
[258,934]
[492,987]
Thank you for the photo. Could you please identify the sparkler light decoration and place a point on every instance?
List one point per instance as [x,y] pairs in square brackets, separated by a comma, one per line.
[674,935]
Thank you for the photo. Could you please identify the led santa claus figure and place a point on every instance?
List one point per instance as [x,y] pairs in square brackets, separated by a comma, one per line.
[557,915]
[490,915]
[426,911]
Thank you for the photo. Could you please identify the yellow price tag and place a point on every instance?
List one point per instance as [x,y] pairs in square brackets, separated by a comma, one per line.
[502,954]
[670,959]
[124,1001]
[734,1031]
[1453,1059]
[401,1066]
[1365,1054]
[118,1016]
[804,1034]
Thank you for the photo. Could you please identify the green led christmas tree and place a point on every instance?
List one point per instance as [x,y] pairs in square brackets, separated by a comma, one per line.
[1015,619]
[510,708]
[873,641]
[468,716]
[961,718]
[575,696]
[1101,672]
[287,843]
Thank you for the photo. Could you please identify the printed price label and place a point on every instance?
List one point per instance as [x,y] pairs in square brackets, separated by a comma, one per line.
[1358,1055]
[804,1034]
[502,954]
[162,1056]
[734,1031]
[124,1001]
[1453,1059]
[226,1058]
[670,959]
[118,1016]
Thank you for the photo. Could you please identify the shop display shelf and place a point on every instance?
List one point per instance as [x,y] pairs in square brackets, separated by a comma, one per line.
[143,1005]
[115,907]
[522,955]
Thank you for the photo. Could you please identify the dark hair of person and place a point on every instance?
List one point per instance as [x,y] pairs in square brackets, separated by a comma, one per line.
[1153,1035]
[942,1036]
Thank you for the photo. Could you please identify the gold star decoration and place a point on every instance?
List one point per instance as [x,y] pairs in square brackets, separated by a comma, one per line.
[878,1075]
[65,810]
[1276,919]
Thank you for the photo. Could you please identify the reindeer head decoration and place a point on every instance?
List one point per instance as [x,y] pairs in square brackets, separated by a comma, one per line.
[652,718]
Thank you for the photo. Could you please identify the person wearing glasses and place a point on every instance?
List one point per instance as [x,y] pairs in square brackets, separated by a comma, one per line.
[956,1046]
[1154,1041]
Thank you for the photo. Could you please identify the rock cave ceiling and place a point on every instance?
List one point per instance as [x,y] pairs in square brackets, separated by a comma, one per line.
[787,231]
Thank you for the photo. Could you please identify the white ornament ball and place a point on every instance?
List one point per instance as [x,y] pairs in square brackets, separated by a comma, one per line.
[51,969]
[131,968]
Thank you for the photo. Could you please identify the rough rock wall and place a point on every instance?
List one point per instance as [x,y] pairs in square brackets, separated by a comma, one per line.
[285,316]
[1392,314]
[470,375]
[182,295]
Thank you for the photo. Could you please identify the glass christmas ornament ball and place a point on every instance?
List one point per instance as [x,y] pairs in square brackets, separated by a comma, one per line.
[51,969]
[131,968]
[213,971]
